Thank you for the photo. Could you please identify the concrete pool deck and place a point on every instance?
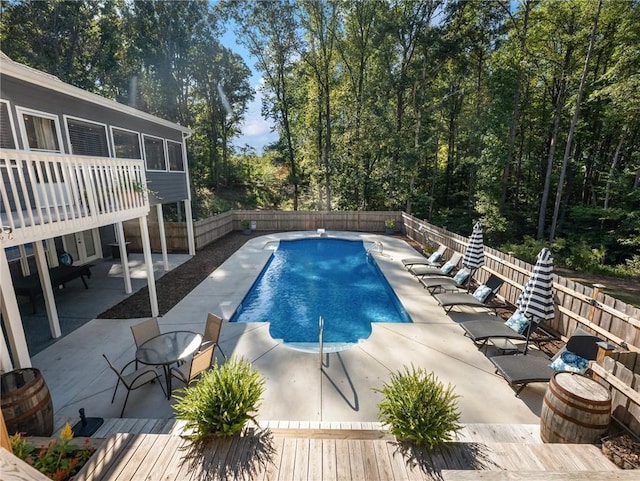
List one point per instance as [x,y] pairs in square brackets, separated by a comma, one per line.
[297,387]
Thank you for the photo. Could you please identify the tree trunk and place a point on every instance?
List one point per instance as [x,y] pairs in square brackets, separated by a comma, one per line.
[612,169]
[574,121]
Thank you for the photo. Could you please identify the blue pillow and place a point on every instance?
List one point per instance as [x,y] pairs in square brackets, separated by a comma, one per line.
[518,322]
[448,267]
[461,277]
[570,362]
[482,292]
[435,257]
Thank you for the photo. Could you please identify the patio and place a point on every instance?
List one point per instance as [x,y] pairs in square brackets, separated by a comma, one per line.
[342,391]
[321,421]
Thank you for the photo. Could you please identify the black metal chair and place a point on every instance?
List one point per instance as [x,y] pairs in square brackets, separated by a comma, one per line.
[135,379]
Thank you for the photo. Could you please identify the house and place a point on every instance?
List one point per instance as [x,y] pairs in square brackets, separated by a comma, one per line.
[75,166]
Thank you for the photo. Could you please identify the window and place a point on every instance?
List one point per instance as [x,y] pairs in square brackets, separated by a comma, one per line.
[40,131]
[174,151]
[126,144]
[154,153]
[87,138]
[7,135]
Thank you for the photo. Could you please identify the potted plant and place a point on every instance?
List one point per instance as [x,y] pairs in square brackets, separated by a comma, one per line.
[418,408]
[246,226]
[222,401]
[389,226]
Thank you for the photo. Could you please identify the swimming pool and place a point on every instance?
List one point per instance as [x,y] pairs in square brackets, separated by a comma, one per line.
[308,278]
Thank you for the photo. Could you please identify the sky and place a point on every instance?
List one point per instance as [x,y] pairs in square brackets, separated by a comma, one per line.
[256,131]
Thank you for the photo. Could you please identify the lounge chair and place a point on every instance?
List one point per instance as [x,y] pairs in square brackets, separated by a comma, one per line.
[480,297]
[432,260]
[420,270]
[487,326]
[520,370]
[442,283]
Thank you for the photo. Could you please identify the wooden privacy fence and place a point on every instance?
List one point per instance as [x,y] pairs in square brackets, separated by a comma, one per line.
[211,229]
[577,305]
[620,373]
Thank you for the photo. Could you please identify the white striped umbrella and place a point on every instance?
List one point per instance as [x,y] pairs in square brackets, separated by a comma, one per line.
[536,299]
[474,255]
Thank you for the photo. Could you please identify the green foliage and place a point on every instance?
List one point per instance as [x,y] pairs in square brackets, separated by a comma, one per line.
[59,460]
[222,401]
[419,408]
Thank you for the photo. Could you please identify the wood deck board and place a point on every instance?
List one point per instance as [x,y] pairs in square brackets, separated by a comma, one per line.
[301,466]
[164,457]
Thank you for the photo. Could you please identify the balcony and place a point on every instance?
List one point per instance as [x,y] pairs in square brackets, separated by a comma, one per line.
[46,195]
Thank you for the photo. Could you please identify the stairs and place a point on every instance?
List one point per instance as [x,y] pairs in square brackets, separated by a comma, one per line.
[500,452]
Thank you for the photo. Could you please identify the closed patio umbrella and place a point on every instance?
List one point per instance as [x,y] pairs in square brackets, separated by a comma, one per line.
[536,299]
[474,255]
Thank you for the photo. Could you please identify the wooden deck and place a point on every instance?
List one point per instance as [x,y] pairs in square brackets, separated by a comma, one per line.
[292,453]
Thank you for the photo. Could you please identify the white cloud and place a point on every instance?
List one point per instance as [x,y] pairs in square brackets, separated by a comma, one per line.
[256,131]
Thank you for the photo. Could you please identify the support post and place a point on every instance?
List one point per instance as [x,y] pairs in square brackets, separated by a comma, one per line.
[148,261]
[47,289]
[189,221]
[124,257]
[163,238]
[11,316]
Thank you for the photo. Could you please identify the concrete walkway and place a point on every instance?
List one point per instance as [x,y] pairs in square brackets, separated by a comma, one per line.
[297,387]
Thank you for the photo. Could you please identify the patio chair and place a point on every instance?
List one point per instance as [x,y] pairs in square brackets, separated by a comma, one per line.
[520,370]
[145,330]
[480,297]
[432,260]
[133,380]
[211,334]
[420,270]
[488,326]
[201,361]
[436,283]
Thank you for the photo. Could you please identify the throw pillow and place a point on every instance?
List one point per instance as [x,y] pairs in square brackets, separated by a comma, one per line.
[433,258]
[518,322]
[447,268]
[461,277]
[570,362]
[482,292]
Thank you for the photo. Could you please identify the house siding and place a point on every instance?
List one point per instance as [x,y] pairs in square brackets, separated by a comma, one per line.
[167,186]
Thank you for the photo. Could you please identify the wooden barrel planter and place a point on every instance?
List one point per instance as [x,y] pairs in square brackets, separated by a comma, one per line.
[26,403]
[575,410]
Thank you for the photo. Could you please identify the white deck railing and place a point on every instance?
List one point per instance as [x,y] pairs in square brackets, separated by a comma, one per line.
[45,195]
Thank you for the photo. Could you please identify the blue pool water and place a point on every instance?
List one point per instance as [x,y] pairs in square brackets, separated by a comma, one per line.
[333,278]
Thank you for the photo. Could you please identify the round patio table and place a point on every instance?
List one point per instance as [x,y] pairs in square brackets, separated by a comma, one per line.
[168,348]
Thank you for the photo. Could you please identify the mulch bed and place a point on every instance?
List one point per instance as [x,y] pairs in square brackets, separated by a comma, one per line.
[172,287]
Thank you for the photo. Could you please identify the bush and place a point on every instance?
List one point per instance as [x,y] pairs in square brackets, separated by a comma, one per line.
[222,401]
[418,408]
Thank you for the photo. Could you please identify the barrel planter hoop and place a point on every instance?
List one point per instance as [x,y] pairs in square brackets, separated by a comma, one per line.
[26,403]
[575,410]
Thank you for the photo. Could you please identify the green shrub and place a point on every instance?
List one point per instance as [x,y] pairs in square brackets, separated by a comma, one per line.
[222,401]
[418,408]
